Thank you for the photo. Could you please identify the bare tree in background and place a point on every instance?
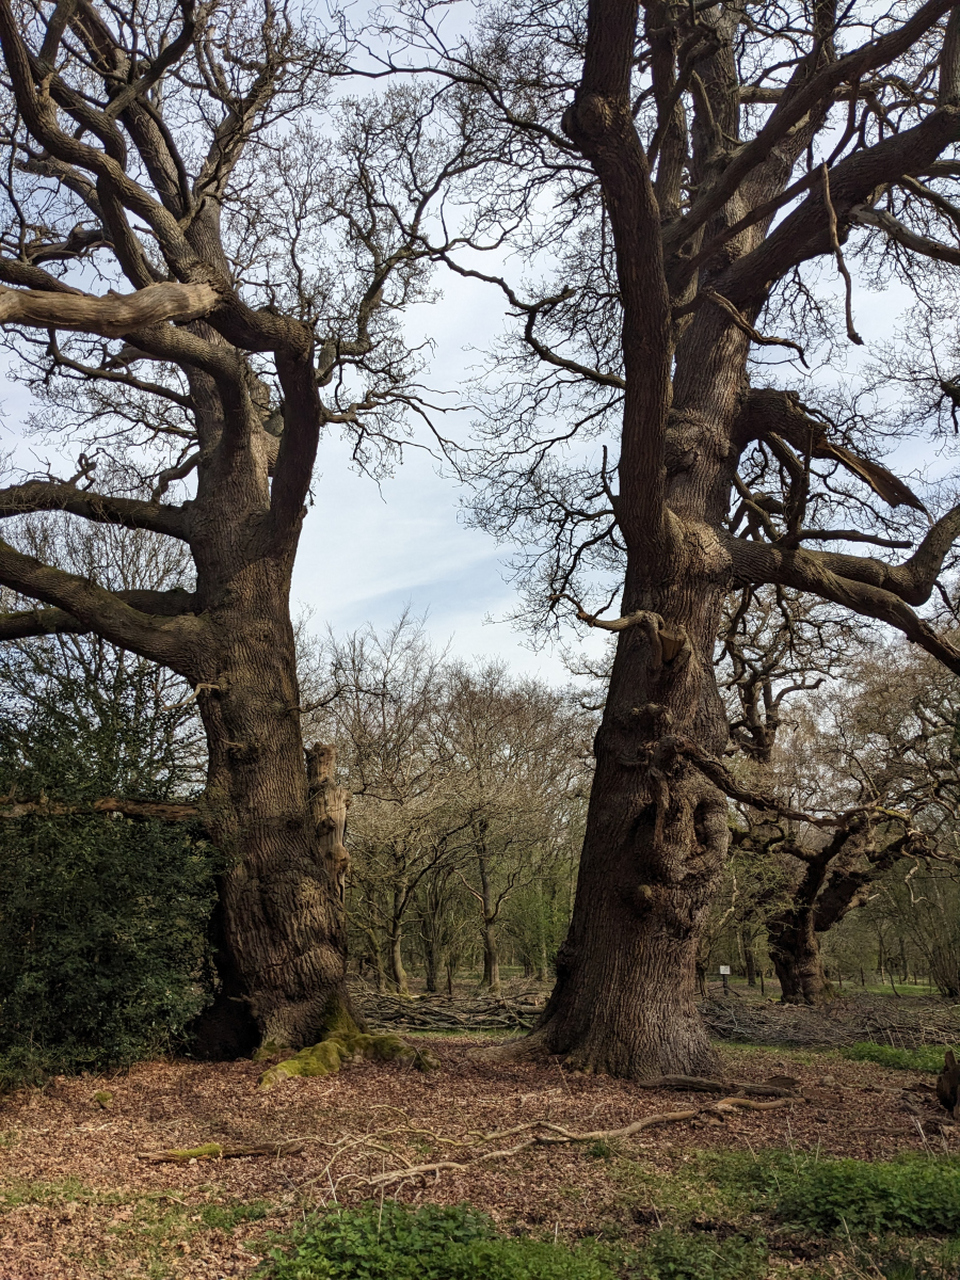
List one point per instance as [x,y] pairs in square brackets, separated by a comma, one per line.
[465,781]
[201,269]
[882,750]
[149,744]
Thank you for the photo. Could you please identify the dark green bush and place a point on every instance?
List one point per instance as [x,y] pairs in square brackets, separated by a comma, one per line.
[926,1058]
[391,1242]
[102,942]
[102,919]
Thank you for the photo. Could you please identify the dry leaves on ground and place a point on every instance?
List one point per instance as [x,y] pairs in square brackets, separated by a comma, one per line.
[78,1201]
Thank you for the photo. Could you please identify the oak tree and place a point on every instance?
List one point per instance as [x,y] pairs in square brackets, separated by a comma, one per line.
[202,258]
[702,161]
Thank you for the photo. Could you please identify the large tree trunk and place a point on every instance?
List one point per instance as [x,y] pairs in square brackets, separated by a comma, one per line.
[655,841]
[795,952]
[282,935]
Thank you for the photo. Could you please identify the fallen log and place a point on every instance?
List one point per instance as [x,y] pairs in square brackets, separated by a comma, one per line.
[215,1151]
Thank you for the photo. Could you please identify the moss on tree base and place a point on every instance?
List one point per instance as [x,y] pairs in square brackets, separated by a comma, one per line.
[340,1047]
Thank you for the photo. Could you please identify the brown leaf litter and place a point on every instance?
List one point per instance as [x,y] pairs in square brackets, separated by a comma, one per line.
[78,1201]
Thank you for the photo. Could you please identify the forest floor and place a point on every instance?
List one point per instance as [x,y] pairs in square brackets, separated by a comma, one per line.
[79,1199]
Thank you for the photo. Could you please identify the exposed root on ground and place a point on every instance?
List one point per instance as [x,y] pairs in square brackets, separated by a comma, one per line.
[532,1048]
[543,1133]
[698,1084]
[527,1049]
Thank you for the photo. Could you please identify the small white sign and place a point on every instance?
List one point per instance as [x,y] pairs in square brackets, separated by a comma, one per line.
[724,968]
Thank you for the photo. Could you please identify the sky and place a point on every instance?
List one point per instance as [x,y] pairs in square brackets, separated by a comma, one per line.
[372,549]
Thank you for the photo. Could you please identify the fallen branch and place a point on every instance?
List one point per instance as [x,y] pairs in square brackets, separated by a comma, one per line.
[542,1133]
[214,1151]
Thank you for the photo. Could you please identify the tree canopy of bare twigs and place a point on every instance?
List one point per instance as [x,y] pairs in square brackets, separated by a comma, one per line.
[203,255]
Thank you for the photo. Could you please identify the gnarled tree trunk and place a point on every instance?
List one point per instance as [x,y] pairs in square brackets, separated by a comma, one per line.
[795,952]
[282,936]
[655,842]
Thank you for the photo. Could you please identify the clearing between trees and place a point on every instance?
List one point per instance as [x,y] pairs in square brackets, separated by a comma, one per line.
[98,1179]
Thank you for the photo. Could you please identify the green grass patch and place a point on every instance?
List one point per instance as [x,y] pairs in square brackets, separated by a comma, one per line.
[912,1195]
[15,1192]
[927,1058]
[387,1241]
[926,1260]
[146,1230]
[675,1255]
[226,1217]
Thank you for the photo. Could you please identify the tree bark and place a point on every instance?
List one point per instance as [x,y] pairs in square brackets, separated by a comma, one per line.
[282,935]
[795,952]
[656,836]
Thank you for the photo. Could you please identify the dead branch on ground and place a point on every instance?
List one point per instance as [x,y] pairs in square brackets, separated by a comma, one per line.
[542,1133]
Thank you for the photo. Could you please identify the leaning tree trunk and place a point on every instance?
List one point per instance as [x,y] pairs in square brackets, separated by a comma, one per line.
[281,929]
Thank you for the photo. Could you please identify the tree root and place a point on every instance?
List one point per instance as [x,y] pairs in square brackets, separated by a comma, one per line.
[531,1047]
[528,1048]
[697,1084]
[341,1047]
[542,1133]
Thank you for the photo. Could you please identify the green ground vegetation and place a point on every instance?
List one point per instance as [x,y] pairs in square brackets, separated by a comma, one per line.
[925,1058]
[717,1216]
[776,1215]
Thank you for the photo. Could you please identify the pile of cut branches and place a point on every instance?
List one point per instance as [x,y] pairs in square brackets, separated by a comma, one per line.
[449,1013]
[905,1024]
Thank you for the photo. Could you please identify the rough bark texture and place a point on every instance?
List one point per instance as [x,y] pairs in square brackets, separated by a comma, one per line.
[245,412]
[689,208]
